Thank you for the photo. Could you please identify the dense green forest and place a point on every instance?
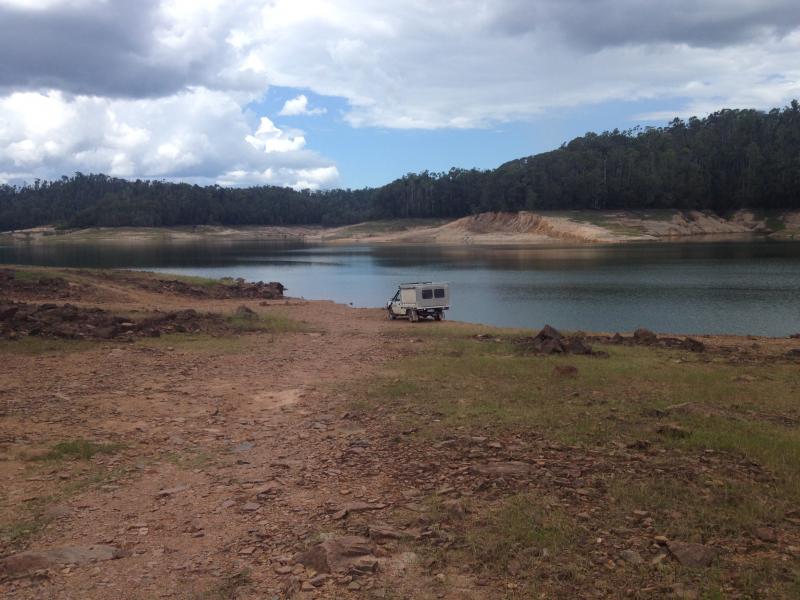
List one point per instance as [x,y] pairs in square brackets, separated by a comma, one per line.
[726,161]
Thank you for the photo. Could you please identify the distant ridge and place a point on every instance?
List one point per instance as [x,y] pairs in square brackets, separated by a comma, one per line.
[730,160]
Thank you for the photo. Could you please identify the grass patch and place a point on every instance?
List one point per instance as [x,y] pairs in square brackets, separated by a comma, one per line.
[196,280]
[34,275]
[488,384]
[78,450]
[35,345]
[18,532]
[34,517]
[774,222]
[515,536]
[200,342]
[732,467]
[698,510]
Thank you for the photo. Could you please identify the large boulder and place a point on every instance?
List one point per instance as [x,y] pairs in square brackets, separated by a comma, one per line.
[548,333]
[644,336]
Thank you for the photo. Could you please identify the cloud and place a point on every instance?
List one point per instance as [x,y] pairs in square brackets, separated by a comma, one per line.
[463,64]
[313,178]
[609,23]
[269,138]
[199,135]
[160,87]
[119,48]
[299,106]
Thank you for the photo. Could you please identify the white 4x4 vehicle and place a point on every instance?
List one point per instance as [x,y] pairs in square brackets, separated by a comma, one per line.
[417,301]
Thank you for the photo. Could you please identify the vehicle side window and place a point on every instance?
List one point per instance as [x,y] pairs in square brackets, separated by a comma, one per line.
[438,293]
[427,294]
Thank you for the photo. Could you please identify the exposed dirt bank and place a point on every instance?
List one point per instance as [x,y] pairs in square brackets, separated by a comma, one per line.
[574,227]
[567,227]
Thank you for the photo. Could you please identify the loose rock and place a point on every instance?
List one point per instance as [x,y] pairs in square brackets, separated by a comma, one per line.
[25,562]
[347,554]
[692,555]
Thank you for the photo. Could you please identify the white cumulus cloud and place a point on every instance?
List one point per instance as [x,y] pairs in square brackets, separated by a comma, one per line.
[198,135]
[299,106]
[271,139]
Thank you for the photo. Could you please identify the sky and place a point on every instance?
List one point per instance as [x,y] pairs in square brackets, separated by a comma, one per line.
[353,93]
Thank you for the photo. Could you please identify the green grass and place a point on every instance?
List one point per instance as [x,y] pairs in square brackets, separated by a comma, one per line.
[78,450]
[235,341]
[34,275]
[19,532]
[200,342]
[735,468]
[35,345]
[775,223]
[33,517]
[516,534]
[481,384]
[195,279]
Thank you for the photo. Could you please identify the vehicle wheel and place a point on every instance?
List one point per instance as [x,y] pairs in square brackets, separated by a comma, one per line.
[438,316]
[392,316]
[414,317]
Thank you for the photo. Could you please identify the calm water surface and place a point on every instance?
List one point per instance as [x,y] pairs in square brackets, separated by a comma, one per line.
[722,287]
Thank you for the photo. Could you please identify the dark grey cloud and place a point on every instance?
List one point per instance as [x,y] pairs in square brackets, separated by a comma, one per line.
[596,24]
[102,48]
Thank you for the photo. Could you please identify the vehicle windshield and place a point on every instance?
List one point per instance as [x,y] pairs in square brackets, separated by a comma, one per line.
[396,296]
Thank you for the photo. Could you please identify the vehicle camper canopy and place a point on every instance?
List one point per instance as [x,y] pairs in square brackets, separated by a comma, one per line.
[420,299]
[425,294]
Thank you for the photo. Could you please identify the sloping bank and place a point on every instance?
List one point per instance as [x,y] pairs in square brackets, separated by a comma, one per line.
[490,228]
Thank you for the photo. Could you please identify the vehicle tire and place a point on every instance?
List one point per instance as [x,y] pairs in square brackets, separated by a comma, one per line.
[413,316]
[438,316]
[392,316]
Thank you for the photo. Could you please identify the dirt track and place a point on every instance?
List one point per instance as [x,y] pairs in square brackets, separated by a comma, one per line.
[253,444]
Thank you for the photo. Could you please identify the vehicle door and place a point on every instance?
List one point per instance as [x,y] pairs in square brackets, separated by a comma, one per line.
[395,305]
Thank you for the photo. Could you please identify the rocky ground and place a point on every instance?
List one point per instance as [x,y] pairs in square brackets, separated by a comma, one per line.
[265,463]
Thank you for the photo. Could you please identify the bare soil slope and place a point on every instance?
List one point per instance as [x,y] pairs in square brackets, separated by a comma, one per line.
[572,227]
[552,227]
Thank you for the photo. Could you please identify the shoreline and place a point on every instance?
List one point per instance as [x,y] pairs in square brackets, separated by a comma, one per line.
[258,443]
[487,229]
[194,286]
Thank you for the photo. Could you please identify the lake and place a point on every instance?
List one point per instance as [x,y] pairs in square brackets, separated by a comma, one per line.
[748,287]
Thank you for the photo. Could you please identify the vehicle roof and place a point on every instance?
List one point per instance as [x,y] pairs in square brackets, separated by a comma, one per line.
[422,283]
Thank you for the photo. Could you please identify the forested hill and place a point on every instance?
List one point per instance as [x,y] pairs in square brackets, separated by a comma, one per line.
[732,159]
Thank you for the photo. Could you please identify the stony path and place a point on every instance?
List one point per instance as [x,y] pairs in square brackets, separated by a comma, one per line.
[232,463]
